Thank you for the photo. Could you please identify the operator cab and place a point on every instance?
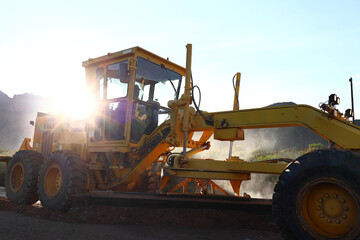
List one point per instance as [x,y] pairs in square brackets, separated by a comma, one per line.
[132,87]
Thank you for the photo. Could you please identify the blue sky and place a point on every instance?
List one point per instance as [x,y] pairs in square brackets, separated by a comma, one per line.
[300,51]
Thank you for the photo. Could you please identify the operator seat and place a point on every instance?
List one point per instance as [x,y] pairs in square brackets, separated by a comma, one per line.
[152,113]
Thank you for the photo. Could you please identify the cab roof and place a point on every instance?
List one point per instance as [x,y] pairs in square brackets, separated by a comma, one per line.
[133,52]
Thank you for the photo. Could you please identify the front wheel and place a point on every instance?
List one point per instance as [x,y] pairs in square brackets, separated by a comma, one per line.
[318,197]
[22,176]
[62,175]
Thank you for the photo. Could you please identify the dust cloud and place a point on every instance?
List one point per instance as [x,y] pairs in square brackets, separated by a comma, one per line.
[261,140]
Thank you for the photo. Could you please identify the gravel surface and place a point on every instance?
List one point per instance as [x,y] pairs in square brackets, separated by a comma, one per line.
[115,222]
[17,226]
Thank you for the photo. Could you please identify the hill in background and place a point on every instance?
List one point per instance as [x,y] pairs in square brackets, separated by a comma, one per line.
[15,116]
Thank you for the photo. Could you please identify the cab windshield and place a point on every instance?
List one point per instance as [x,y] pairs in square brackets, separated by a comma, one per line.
[154,86]
[155,83]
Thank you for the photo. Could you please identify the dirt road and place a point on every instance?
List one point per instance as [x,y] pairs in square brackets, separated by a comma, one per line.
[117,222]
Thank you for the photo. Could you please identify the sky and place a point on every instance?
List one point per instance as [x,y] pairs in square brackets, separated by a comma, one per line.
[299,51]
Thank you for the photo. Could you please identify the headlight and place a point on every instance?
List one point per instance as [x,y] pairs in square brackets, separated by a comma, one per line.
[334,100]
[349,113]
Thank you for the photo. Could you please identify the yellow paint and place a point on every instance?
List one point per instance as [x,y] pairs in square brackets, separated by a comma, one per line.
[329,209]
[17,175]
[25,144]
[53,180]
[183,123]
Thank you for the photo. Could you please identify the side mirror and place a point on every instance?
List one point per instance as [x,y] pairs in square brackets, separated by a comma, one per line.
[32,123]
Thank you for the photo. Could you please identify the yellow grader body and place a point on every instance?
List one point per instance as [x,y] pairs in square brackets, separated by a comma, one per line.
[140,118]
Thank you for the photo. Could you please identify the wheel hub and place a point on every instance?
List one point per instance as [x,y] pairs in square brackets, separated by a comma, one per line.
[333,208]
[53,181]
[17,177]
[328,208]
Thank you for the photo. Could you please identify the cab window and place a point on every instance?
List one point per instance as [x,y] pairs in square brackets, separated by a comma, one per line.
[117,80]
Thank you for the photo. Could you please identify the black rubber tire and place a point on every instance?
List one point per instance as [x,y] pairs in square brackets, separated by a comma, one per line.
[73,179]
[30,162]
[318,167]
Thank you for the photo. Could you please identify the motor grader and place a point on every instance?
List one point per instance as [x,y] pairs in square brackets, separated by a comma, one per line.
[131,142]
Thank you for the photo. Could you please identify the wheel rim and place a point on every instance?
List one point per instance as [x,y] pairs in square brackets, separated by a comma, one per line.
[328,208]
[17,175]
[53,181]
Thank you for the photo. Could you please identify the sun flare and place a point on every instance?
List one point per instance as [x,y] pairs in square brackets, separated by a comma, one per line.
[78,106]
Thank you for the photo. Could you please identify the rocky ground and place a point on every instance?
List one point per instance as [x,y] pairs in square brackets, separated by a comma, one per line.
[133,222]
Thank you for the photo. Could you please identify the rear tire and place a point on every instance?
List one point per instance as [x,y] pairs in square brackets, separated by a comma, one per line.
[318,197]
[62,175]
[22,176]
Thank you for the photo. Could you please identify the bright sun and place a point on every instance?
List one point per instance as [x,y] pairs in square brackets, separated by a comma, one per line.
[77,106]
